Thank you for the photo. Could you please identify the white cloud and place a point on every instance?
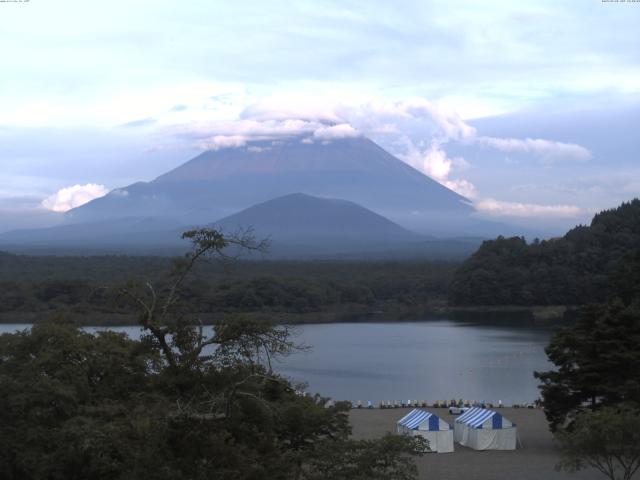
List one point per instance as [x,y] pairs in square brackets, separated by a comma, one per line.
[344,130]
[434,162]
[240,129]
[416,115]
[219,142]
[292,106]
[451,124]
[463,187]
[546,149]
[74,196]
[431,160]
[254,149]
[494,207]
[284,116]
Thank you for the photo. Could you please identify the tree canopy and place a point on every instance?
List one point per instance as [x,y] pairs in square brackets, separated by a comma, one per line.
[597,362]
[576,269]
[607,440]
[34,287]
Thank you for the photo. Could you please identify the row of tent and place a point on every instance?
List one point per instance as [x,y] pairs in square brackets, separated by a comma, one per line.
[477,428]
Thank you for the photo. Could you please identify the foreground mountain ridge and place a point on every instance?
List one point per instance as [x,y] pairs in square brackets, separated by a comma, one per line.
[304,217]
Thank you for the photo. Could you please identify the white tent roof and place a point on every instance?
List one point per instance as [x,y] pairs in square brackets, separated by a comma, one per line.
[417,418]
[483,418]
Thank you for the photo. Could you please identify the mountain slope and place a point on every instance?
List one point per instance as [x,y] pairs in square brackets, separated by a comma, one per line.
[303,218]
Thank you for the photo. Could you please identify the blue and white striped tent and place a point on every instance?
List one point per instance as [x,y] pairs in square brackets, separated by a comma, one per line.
[430,426]
[483,429]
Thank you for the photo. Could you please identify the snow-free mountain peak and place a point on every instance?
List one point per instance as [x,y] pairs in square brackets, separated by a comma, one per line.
[221,182]
[299,217]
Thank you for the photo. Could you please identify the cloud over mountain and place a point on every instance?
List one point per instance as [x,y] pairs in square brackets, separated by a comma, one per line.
[343,130]
[416,130]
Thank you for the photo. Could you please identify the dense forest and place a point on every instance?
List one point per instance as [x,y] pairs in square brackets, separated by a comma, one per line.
[587,265]
[31,287]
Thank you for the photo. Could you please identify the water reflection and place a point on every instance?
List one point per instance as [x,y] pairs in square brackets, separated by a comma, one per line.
[433,360]
[429,360]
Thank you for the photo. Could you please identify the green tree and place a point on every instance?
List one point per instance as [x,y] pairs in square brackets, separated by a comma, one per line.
[626,277]
[607,440]
[67,400]
[381,459]
[597,360]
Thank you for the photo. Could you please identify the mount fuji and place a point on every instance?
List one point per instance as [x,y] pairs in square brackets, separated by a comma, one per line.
[219,183]
[346,192]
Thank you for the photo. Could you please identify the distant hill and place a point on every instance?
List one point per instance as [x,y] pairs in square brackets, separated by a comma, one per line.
[311,220]
[588,264]
[220,183]
[120,235]
[297,225]
[303,226]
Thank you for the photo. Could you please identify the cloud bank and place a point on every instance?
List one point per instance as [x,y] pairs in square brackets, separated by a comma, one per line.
[71,197]
[516,209]
[547,150]
[344,130]
[416,130]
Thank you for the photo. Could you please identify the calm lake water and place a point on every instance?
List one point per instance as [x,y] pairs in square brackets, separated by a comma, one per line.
[429,360]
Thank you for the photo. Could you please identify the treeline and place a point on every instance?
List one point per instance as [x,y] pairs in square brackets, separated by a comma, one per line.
[589,264]
[89,285]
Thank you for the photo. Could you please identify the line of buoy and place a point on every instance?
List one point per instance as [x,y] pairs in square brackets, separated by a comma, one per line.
[384,404]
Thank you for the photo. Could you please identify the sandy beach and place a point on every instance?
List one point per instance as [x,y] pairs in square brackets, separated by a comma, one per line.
[535,460]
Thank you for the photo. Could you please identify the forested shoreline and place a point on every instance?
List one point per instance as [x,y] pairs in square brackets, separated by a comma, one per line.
[587,265]
[506,276]
[289,292]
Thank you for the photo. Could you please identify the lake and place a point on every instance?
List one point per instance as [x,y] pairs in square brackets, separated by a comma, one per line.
[427,360]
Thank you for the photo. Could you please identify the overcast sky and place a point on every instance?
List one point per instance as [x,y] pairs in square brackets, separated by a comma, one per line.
[530,109]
